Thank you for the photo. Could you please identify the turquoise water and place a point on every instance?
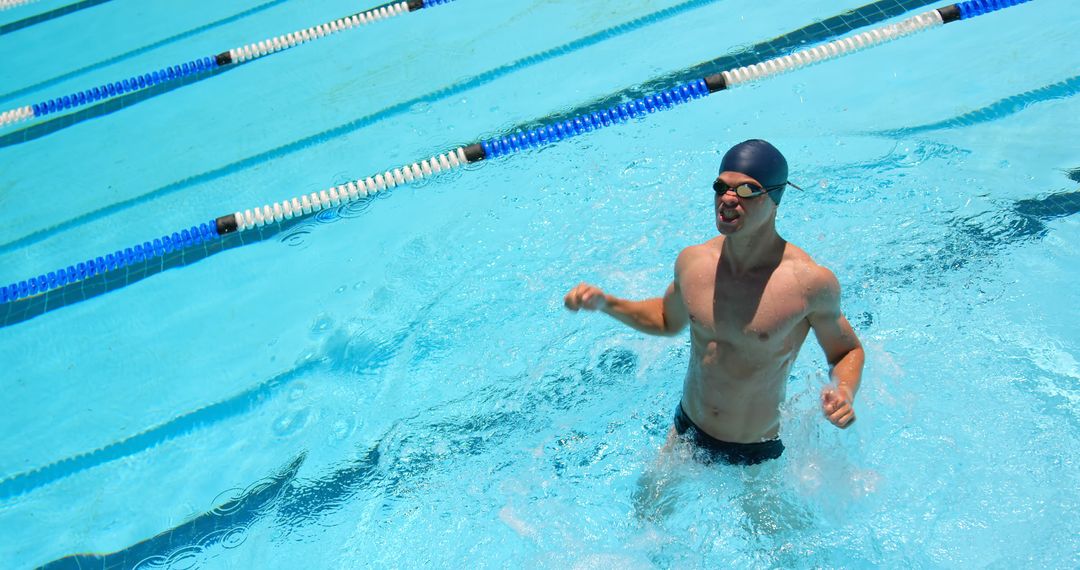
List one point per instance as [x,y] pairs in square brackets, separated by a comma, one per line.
[396,384]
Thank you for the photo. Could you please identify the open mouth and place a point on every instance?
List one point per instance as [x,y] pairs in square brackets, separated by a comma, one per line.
[728,216]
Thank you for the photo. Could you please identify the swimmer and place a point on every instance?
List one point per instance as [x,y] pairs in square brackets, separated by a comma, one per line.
[750,298]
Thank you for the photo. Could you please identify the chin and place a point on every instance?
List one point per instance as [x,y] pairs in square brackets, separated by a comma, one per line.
[726,228]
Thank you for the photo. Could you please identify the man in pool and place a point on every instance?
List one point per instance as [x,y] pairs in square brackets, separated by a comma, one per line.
[750,298]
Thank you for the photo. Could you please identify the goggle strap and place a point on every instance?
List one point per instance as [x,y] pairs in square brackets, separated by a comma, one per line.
[763,190]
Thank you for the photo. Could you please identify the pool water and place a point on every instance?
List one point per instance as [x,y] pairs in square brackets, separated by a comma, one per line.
[395,383]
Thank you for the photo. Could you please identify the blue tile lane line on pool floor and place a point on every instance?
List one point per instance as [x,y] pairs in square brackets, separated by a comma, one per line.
[50,15]
[998,109]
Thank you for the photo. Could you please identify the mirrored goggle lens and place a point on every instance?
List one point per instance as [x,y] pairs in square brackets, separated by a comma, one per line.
[742,190]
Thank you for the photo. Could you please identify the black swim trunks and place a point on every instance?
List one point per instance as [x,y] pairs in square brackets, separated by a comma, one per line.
[724,451]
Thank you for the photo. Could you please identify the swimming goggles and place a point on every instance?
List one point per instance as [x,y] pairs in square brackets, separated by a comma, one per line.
[746,189]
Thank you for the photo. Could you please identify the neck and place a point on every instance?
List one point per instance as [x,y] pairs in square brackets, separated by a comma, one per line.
[746,252]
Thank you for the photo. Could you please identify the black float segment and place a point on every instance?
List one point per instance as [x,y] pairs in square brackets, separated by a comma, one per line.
[226,224]
[415,5]
[715,82]
[223,59]
[474,153]
[950,13]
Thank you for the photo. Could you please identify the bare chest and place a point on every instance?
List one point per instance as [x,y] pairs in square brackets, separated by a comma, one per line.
[765,313]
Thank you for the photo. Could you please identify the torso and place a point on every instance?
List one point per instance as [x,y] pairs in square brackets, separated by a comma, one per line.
[746,331]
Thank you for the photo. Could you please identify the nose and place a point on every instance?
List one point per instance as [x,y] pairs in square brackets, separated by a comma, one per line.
[729,198]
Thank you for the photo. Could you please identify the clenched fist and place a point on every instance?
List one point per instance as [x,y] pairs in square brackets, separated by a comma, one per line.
[836,405]
[585,296]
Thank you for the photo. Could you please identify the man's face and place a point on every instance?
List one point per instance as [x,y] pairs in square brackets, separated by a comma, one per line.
[734,214]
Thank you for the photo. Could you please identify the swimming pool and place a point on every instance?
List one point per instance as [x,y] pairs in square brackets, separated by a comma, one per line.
[395,383]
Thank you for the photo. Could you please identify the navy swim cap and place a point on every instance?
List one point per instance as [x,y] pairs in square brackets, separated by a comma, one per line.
[761,161]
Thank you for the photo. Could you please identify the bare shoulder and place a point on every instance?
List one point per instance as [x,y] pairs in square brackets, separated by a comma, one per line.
[818,283]
[693,255]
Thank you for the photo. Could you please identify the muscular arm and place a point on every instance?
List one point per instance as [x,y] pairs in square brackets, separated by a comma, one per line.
[663,316]
[842,348]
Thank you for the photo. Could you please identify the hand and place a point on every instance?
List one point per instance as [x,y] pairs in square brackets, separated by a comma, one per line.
[836,404]
[585,296]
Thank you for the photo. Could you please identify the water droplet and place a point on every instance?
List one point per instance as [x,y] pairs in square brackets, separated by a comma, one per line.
[291,422]
[321,324]
[343,428]
[297,392]
[307,356]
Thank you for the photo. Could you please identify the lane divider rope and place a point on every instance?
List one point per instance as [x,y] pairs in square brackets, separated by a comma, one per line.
[493,148]
[342,194]
[235,56]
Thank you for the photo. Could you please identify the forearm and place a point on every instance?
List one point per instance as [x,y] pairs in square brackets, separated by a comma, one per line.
[646,316]
[847,372]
